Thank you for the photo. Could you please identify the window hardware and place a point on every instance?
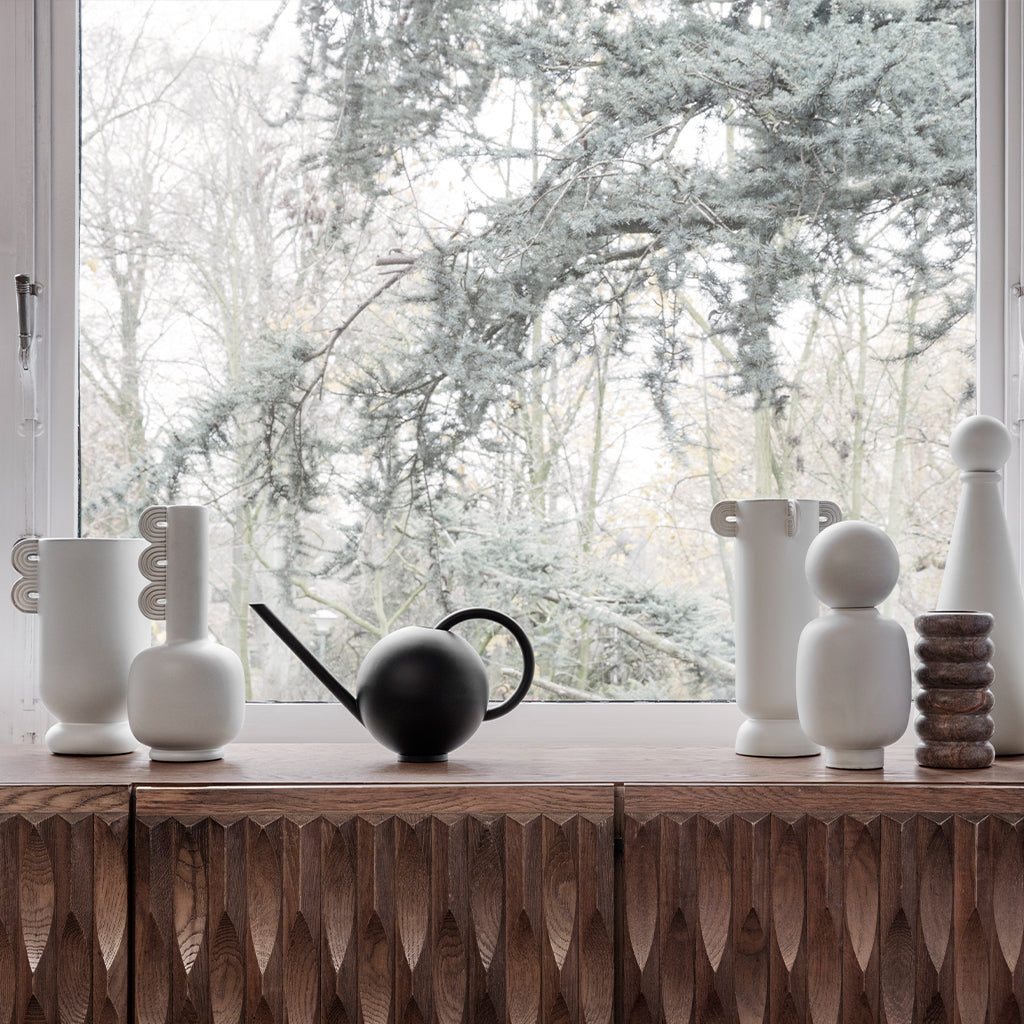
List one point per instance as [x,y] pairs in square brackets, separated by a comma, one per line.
[25,288]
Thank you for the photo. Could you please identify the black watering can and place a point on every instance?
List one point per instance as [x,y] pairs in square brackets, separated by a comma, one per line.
[421,692]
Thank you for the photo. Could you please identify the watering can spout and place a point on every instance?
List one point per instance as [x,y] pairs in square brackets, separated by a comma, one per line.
[304,655]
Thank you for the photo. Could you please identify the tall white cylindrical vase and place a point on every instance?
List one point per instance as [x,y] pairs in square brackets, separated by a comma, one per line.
[773,604]
[186,697]
[90,628]
[981,571]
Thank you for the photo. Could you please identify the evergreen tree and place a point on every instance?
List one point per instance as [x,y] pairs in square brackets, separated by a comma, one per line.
[736,159]
[643,183]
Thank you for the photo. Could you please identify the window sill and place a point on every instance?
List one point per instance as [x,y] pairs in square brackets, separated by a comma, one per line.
[608,725]
[537,723]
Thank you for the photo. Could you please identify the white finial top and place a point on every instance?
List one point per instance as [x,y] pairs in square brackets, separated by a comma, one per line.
[980,443]
[852,565]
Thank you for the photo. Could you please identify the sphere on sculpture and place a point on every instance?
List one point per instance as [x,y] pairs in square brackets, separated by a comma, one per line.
[980,444]
[852,564]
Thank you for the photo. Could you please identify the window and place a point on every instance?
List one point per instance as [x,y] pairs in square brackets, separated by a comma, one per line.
[625,323]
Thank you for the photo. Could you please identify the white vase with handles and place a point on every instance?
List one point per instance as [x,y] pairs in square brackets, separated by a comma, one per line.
[186,697]
[773,604]
[84,591]
[981,571]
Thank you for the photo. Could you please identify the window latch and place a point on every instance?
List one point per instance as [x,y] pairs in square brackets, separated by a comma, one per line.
[1017,413]
[26,289]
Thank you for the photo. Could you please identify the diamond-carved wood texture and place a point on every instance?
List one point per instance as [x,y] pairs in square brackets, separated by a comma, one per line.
[821,917]
[375,904]
[64,952]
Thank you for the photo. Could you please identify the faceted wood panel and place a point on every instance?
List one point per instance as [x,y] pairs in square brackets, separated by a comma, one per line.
[375,905]
[64,951]
[823,918]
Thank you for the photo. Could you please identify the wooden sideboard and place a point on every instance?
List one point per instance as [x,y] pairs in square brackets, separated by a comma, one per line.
[65,950]
[328,883]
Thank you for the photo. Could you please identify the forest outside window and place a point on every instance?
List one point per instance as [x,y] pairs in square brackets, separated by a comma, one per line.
[445,304]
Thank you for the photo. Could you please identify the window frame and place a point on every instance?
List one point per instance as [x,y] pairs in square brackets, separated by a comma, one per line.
[39,65]
[38,237]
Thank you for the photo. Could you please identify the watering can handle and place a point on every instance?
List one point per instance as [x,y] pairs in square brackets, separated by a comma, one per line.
[525,647]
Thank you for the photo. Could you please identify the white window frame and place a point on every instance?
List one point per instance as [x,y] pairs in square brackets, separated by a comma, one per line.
[38,236]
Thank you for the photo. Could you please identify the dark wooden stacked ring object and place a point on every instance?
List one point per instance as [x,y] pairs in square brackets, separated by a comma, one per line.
[954,725]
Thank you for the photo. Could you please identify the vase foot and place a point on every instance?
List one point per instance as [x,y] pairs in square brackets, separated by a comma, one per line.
[857,759]
[91,738]
[164,754]
[774,737]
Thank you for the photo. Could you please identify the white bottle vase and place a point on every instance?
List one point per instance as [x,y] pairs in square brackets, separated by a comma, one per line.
[981,572]
[186,697]
[773,604]
[853,665]
[90,628]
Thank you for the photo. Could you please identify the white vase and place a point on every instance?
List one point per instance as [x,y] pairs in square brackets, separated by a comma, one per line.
[186,697]
[773,604]
[853,678]
[90,628]
[981,571]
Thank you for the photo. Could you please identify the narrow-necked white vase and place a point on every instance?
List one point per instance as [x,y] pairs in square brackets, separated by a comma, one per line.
[773,604]
[84,590]
[186,697]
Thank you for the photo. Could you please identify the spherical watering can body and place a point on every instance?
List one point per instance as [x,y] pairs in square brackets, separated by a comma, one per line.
[422,692]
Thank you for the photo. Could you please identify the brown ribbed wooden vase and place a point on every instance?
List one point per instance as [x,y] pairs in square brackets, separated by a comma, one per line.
[954,725]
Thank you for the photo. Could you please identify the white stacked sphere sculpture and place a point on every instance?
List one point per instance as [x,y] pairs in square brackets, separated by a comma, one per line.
[853,677]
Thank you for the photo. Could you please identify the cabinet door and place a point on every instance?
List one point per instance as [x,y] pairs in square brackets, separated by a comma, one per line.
[64,903]
[739,913]
[375,904]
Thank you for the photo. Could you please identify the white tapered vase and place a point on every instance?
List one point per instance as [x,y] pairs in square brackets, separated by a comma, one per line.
[186,697]
[773,604]
[981,571]
[90,628]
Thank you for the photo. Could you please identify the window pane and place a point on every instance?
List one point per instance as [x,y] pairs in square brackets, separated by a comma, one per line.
[488,304]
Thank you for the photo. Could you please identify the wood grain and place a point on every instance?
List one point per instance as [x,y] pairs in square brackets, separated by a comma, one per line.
[63,903]
[746,889]
[228,803]
[483,764]
[374,904]
[827,918]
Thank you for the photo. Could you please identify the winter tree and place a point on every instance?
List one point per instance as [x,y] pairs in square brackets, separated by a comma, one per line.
[566,275]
